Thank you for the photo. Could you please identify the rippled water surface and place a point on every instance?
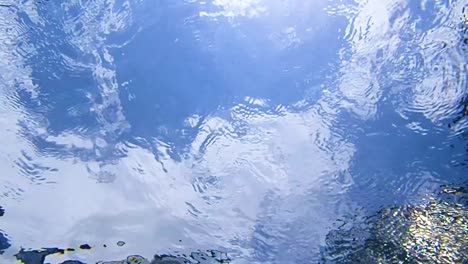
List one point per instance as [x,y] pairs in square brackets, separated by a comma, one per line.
[292,131]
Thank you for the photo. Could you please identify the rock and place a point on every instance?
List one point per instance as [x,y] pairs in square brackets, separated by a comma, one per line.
[435,232]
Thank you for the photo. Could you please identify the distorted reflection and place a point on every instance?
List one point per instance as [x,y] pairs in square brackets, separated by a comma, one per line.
[276,131]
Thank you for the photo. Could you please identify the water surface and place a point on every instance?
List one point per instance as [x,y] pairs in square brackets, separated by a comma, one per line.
[257,128]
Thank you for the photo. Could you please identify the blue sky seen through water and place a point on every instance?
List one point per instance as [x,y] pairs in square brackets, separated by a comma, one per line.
[247,126]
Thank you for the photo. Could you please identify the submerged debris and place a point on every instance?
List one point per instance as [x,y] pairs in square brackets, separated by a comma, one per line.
[130,260]
[211,257]
[39,256]
[121,243]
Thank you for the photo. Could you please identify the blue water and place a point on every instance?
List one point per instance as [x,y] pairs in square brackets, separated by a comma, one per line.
[256,128]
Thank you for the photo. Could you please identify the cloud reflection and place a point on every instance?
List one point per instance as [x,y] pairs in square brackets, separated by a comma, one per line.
[235,8]
[262,173]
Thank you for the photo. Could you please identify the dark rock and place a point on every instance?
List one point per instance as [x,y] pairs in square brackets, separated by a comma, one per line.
[35,256]
[85,246]
[4,243]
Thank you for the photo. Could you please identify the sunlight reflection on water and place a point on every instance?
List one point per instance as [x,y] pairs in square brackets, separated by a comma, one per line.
[251,127]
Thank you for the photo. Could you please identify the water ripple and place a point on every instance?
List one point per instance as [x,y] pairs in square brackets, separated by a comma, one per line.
[278,131]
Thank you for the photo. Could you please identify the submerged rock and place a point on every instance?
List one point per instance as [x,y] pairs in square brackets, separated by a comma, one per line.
[36,256]
[211,257]
[134,259]
[436,232]
[214,257]
[4,241]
